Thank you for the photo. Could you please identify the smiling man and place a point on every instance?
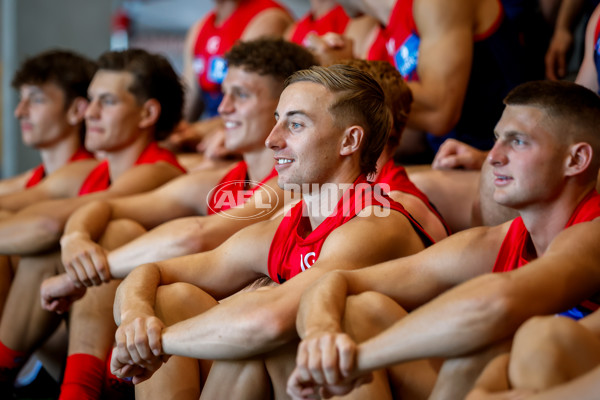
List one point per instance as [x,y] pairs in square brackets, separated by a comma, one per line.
[332,124]
[545,162]
[135,98]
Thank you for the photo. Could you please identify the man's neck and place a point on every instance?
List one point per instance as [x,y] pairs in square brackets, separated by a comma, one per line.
[60,153]
[224,9]
[545,221]
[319,202]
[260,163]
[318,8]
[383,11]
[122,160]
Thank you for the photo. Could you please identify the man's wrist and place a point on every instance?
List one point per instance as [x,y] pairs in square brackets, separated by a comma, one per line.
[67,237]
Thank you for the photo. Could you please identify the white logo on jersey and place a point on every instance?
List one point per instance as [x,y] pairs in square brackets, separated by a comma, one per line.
[391,46]
[198,65]
[212,44]
[306,262]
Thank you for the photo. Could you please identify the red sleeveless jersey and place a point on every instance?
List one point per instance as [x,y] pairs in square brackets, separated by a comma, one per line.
[512,252]
[214,41]
[335,21]
[99,178]
[227,193]
[291,252]
[39,172]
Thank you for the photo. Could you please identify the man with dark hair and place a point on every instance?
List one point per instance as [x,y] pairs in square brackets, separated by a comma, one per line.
[545,162]
[53,97]
[326,118]
[123,125]
[97,245]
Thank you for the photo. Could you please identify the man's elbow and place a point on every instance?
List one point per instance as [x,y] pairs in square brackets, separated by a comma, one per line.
[443,121]
[47,231]
[496,312]
[193,239]
[271,327]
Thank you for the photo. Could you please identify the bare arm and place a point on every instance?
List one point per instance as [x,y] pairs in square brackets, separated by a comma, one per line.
[587,75]
[445,56]
[63,183]
[410,281]
[192,93]
[185,236]
[491,307]
[39,227]
[271,22]
[264,319]
[275,309]
[14,183]
[562,38]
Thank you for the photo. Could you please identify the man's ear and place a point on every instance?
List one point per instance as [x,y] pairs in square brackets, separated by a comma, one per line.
[353,137]
[578,159]
[150,113]
[76,110]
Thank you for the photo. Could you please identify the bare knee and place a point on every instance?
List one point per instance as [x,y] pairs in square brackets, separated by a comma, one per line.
[119,232]
[545,352]
[180,301]
[369,313]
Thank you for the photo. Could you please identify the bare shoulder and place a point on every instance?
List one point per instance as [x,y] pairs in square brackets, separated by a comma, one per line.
[67,180]
[375,235]
[272,22]
[580,240]
[436,14]
[15,183]
[141,178]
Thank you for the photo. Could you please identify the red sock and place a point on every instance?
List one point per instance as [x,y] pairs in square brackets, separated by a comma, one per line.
[83,378]
[11,362]
[115,387]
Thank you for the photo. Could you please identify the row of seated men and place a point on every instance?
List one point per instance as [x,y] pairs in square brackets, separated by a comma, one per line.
[330,139]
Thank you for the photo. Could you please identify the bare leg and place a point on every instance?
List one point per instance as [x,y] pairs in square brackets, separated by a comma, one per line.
[246,379]
[92,327]
[458,375]
[25,325]
[6,277]
[180,377]
[548,351]
[365,316]
[410,380]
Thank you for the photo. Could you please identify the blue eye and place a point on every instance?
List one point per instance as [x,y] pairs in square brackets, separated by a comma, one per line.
[37,99]
[108,101]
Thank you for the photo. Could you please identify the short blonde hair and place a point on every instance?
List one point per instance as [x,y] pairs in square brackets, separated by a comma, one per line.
[360,101]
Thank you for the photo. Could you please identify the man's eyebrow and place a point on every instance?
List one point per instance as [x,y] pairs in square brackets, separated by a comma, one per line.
[509,134]
[292,113]
[296,112]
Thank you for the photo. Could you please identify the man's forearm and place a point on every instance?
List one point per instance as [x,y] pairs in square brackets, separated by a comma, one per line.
[457,322]
[156,245]
[241,327]
[25,235]
[322,306]
[90,220]
[136,294]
